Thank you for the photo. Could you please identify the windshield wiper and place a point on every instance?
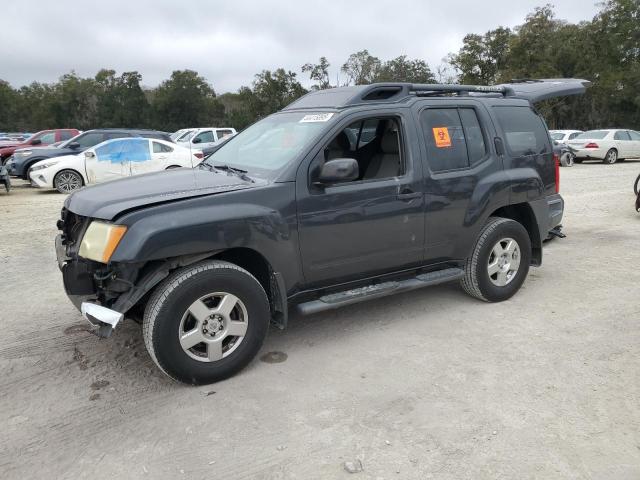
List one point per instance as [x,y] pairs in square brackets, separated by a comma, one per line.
[237,171]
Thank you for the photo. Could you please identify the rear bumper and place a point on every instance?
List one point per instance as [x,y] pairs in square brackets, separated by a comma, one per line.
[555,209]
[590,153]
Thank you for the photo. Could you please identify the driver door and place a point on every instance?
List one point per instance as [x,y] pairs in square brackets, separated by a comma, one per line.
[369,225]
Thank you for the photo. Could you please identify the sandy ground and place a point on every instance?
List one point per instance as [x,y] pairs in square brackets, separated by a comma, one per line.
[428,384]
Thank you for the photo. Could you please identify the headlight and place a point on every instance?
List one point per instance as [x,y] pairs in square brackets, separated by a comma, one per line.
[24,153]
[100,241]
[44,165]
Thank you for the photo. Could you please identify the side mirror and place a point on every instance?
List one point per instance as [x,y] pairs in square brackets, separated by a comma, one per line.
[197,140]
[73,145]
[36,141]
[88,155]
[339,170]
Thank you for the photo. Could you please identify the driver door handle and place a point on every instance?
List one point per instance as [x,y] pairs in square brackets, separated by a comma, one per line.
[407,195]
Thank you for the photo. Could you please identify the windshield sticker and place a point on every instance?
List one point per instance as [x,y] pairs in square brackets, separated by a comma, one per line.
[316,117]
[441,136]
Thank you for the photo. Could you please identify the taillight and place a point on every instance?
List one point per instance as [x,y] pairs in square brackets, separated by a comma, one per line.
[199,155]
[556,159]
[591,145]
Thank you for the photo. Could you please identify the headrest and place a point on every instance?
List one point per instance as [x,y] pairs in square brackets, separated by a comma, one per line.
[389,142]
[341,142]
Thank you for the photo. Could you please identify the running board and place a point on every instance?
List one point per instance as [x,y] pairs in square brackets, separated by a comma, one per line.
[349,297]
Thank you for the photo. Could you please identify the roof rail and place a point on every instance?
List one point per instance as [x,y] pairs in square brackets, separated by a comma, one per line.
[428,89]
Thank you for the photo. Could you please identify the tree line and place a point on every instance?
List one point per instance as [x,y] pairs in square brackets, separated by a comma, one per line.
[605,50]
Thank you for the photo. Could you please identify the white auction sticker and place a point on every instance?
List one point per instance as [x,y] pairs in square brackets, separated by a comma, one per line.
[316,117]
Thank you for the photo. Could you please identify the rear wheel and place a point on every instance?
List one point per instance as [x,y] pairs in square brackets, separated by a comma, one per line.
[206,322]
[636,185]
[611,157]
[500,260]
[67,181]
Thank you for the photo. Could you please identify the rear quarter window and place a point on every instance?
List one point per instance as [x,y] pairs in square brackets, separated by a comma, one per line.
[525,132]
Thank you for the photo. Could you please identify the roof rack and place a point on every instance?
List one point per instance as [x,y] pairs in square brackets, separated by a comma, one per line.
[388,92]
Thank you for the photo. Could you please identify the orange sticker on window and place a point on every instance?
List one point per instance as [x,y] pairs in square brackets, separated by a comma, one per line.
[441,136]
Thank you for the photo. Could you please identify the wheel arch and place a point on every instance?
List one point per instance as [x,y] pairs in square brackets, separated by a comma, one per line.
[524,214]
[74,170]
[150,275]
[28,165]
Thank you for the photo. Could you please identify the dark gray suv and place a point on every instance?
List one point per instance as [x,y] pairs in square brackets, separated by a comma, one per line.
[347,194]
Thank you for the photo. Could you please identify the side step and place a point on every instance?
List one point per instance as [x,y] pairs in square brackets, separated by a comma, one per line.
[348,297]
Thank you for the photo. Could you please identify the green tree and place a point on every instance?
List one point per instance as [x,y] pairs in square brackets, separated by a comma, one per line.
[8,100]
[361,68]
[319,73]
[185,99]
[482,57]
[401,69]
[275,90]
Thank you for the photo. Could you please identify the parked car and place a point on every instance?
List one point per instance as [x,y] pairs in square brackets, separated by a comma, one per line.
[110,160]
[608,145]
[45,137]
[563,136]
[180,133]
[203,138]
[23,159]
[291,213]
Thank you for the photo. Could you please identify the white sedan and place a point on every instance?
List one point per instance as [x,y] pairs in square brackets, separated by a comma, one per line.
[608,145]
[110,160]
[563,136]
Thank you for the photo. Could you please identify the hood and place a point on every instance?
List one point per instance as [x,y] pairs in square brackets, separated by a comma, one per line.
[49,152]
[107,200]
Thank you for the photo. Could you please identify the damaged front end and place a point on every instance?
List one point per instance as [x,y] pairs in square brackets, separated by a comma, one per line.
[106,292]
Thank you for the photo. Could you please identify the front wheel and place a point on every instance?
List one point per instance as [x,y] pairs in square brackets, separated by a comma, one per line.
[206,322]
[636,185]
[500,260]
[67,181]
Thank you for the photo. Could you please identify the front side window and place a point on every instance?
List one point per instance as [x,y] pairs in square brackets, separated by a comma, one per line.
[524,130]
[621,135]
[48,138]
[88,140]
[205,137]
[374,143]
[65,135]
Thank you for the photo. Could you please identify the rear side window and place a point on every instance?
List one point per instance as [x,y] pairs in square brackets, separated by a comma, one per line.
[161,148]
[524,130]
[454,138]
[66,135]
[634,135]
[224,133]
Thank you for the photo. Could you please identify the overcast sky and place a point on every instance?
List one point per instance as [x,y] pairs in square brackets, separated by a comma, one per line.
[229,41]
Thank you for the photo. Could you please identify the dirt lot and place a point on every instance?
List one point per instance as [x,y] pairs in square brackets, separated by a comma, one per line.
[428,384]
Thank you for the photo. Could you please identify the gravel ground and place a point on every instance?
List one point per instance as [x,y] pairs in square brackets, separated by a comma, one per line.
[427,384]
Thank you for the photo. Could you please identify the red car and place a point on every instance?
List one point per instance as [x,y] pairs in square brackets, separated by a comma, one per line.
[42,138]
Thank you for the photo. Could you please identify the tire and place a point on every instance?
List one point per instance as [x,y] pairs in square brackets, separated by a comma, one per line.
[611,157]
[477,281]
[636,185]
[566,159]
[67,181]
[168,322]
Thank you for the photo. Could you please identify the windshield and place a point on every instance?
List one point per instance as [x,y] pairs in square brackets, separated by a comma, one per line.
[269,145]
[593,134]
[186,136]
[557,135]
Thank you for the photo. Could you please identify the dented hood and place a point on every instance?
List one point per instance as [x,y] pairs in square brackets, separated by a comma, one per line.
[107,200]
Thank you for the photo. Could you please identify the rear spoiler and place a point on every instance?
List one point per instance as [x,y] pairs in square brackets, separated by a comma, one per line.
[537,90]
